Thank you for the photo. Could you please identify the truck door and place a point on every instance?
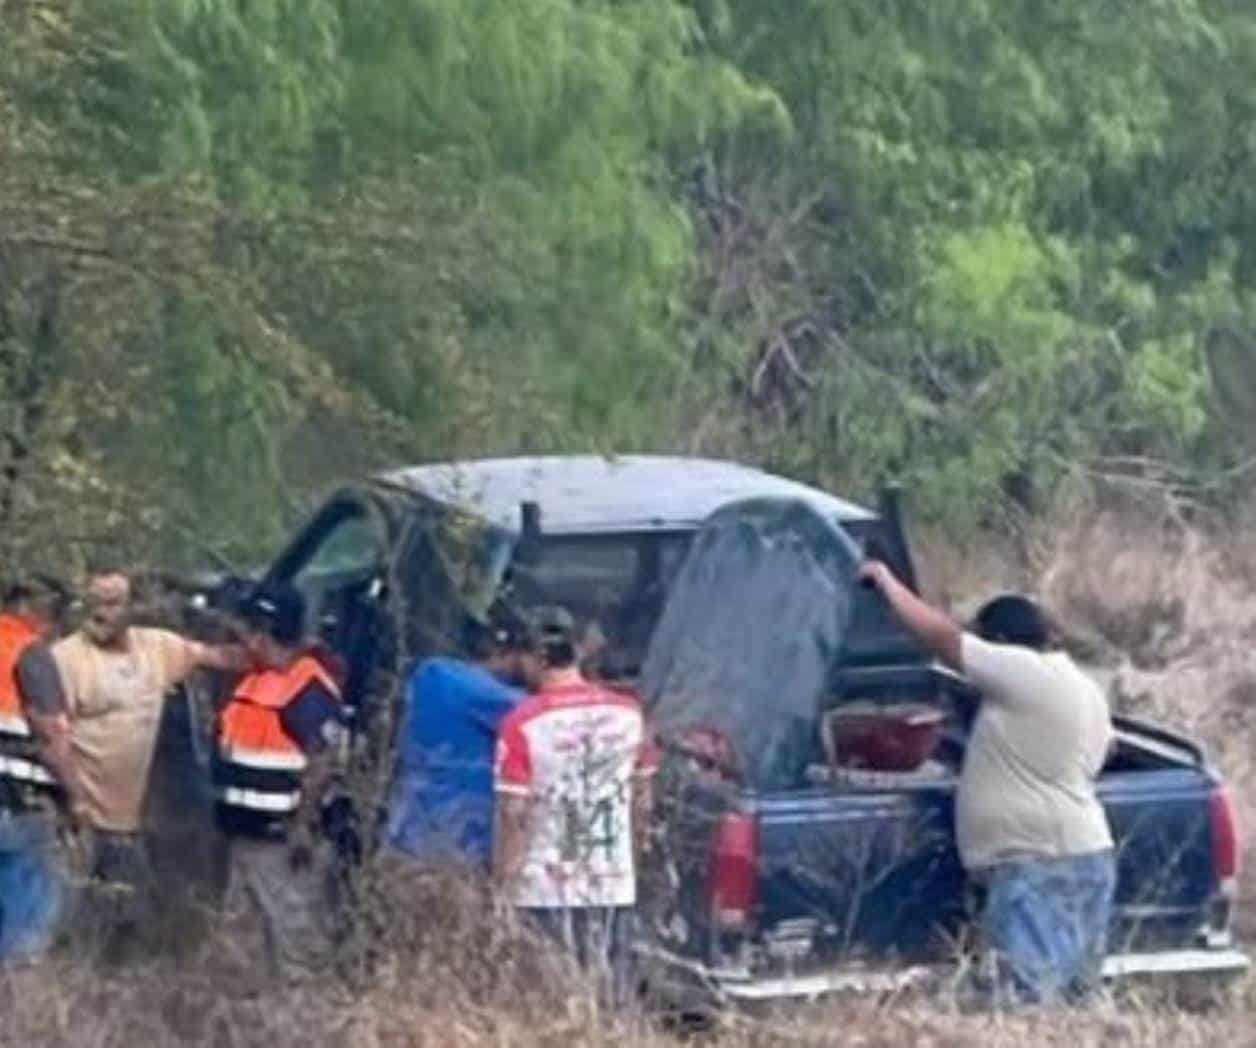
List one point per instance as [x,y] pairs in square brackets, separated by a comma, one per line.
[339,564]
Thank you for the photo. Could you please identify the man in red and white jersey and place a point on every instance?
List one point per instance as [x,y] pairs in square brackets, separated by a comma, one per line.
[572,786]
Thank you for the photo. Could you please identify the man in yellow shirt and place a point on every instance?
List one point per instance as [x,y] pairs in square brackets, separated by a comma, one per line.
[115,677]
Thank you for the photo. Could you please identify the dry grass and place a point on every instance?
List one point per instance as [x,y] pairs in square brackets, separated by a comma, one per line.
[67,1004]
[1171,608]
[1175,607]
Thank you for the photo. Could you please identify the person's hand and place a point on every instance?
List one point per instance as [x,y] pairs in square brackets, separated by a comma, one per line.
[76,839]
[232,657]
[77,815]
[874,574]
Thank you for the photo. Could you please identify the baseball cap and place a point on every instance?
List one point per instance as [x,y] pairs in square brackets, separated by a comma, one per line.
[501,627]
[552,624]
[511,630]
[276,608]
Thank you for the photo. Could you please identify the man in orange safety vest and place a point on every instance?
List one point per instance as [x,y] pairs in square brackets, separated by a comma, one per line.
[278,735]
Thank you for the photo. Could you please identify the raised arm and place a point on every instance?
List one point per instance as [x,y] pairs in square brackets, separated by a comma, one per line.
[937,631]
[231,658]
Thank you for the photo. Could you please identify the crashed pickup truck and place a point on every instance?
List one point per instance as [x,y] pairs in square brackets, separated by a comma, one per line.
[723,594]
[786,871]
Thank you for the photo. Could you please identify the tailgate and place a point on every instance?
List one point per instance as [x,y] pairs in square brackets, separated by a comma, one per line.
[864,872]
[1167,890]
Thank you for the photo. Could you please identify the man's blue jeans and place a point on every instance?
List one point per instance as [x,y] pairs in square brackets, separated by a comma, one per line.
[32,886]
[1047,922]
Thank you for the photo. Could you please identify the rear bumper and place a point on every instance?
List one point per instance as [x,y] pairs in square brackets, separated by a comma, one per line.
[685,978]
[1173,962]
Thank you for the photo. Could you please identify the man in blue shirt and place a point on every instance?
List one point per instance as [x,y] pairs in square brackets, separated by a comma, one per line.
[441,802]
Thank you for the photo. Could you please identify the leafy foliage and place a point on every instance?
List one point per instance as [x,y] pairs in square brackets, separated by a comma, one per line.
[248,247]
[1018,228]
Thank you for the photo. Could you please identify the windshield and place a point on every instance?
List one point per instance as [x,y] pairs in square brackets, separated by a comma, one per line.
[753,627]
[450,564]
[340,551]
[350,548]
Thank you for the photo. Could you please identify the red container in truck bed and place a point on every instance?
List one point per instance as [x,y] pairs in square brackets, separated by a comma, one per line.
[895,737]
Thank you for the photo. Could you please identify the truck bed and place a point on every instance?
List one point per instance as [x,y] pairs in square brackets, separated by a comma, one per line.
[856,874]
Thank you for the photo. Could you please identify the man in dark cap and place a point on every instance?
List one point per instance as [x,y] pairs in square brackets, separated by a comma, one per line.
[574,766]
[277,742]
[1030,828]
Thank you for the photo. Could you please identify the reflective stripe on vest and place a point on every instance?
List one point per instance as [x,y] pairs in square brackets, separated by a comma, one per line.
[260,800]
[26,771]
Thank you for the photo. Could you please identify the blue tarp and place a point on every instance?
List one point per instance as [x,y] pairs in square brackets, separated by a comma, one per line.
[752,630]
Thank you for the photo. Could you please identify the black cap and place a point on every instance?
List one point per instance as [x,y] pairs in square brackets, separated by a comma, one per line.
[510,629]
[501,628]
[37,587]
[552,624]
[277,609]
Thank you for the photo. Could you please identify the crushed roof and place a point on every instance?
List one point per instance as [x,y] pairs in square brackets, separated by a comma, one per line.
[585,493]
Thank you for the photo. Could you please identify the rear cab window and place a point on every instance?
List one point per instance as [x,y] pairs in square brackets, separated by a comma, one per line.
[614,584]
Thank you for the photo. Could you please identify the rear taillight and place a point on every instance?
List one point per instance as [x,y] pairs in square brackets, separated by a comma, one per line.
[1225,834]
[734,883]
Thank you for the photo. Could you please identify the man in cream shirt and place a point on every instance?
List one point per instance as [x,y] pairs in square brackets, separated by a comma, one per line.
[115,677]
[1030,827]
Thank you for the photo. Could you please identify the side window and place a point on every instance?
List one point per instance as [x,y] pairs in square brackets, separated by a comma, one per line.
[343,556]
[349,549]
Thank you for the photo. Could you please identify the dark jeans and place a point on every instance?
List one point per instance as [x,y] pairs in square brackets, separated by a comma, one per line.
[1047,923]
[294,907]
[32,886]
[600,941]
[121,859]
[116,916]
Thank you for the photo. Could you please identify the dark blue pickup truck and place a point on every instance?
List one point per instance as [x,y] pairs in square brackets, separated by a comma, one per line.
[776,874]
[781,873]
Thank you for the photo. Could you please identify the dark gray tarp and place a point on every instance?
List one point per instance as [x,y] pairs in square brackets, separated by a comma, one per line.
[753,627]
